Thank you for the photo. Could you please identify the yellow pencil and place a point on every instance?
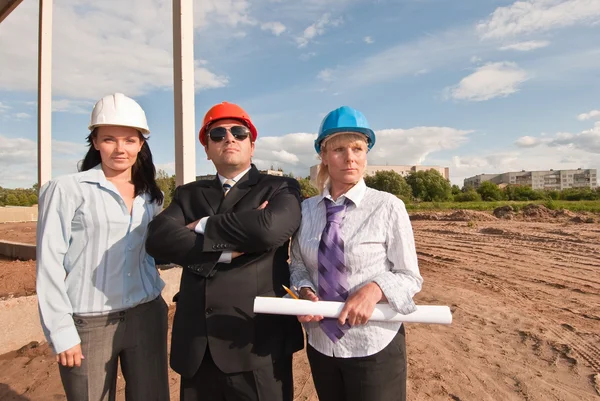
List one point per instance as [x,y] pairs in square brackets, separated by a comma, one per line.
[289,292]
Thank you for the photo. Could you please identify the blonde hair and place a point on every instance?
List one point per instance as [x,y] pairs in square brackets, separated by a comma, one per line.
[340,139]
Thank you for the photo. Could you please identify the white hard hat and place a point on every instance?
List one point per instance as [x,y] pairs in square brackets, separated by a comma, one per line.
[118,109]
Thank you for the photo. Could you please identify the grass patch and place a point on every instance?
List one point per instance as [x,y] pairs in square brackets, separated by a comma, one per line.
[574,206]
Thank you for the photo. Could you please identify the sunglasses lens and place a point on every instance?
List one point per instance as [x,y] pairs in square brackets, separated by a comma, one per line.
[217,134]
[240,132]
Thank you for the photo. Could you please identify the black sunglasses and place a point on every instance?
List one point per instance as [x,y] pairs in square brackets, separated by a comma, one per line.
[239,132]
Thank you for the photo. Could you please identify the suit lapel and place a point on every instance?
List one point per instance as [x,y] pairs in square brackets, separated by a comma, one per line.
[239,190]
[213,193]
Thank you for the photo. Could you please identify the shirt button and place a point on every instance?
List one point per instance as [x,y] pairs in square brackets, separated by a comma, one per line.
[209,311]
[128,274]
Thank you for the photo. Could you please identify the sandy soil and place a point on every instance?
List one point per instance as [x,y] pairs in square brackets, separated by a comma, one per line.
[525,296]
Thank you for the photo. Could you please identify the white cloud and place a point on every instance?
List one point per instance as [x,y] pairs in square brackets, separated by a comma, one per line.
[285,157]
[22,116]
[586,141]
[529,16]
[475,59]
[4,108]
[72,106]
[429,53]
[18,160]
[168,168]
[582,117]
[393,146]
[526,46]
[489,81]
[108,46]
[326,75]
[276,28]
[368,40]
[527,142]
[318,28]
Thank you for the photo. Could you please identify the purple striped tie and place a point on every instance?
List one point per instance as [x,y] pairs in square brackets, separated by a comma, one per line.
[333,279]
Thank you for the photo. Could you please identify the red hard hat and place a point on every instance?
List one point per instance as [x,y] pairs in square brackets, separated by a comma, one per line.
[222,111]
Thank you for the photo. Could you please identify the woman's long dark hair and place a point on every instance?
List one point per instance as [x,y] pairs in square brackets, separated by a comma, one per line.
[143,173]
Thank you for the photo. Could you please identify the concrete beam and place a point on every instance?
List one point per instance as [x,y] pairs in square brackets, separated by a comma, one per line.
[17,250]
[45,93]
[183,75]
[7,7]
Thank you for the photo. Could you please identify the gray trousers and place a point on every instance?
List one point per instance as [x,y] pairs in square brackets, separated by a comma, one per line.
[138,338]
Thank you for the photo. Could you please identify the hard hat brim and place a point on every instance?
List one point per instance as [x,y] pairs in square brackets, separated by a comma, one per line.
[145,133]
[328,134]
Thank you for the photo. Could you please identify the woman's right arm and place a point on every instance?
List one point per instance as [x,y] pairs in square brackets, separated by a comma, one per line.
[300,278]
[56,211]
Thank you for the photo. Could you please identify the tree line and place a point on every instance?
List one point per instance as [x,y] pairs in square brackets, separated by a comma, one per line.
[431,186]
[420,186]
[19,196]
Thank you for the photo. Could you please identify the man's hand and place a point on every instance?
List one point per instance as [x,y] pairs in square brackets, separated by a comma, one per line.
[360,305]
[192,226]
[71,357]
[307,293]
[263,205]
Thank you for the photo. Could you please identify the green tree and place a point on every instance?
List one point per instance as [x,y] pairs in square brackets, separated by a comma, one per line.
[33,199]
[307,189]
[12,200]
[523,193]
[490,191]
[166,184]
[469,195]
[429,186]
[390,181]
[455,190]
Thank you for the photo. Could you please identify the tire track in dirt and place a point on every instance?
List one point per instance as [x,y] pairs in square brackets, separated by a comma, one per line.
[442,247]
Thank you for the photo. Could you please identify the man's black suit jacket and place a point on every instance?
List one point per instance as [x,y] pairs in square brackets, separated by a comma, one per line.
[215,300]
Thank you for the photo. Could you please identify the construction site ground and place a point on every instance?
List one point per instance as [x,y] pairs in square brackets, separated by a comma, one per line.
[524,290]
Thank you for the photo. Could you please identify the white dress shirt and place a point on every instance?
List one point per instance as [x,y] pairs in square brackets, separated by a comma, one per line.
[201,226]
[91,258]
[378,247]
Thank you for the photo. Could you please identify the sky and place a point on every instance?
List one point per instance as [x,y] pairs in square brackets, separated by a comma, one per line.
[479,86]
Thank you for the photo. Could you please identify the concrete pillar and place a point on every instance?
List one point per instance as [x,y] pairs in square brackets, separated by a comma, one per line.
[45,92]
[183,74]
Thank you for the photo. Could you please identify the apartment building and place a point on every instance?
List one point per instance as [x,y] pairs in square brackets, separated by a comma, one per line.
[546,179]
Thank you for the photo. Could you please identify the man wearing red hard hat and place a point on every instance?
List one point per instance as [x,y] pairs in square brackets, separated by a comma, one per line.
[231,236]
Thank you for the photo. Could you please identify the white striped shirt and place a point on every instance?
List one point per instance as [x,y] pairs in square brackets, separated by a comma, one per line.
[378,247]
[91,257]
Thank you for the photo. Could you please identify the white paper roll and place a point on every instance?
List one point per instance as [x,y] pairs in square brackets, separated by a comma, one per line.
[383,312]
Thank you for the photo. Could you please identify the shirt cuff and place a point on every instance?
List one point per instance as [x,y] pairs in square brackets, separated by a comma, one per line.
[225,257]
[399,301]
[306,283]
[201,226]
[65,339]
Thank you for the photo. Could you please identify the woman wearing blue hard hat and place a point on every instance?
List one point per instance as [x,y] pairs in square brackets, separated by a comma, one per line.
[355,245]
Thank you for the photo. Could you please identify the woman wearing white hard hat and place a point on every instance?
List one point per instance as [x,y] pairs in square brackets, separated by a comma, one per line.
[98,290]
[355,245]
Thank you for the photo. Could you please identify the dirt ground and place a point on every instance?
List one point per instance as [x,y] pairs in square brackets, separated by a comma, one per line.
[525,296]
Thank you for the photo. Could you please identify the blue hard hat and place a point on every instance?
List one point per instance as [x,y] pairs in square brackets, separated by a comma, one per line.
[344,119]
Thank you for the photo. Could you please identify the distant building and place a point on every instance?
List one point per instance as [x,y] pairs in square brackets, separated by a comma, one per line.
[546,179]
[278,173]
[206,177]
[402,170]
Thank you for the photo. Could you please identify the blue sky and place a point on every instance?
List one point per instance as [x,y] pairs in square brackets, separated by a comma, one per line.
[479,86]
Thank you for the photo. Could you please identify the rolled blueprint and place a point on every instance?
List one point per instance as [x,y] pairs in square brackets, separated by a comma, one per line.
[383,312]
